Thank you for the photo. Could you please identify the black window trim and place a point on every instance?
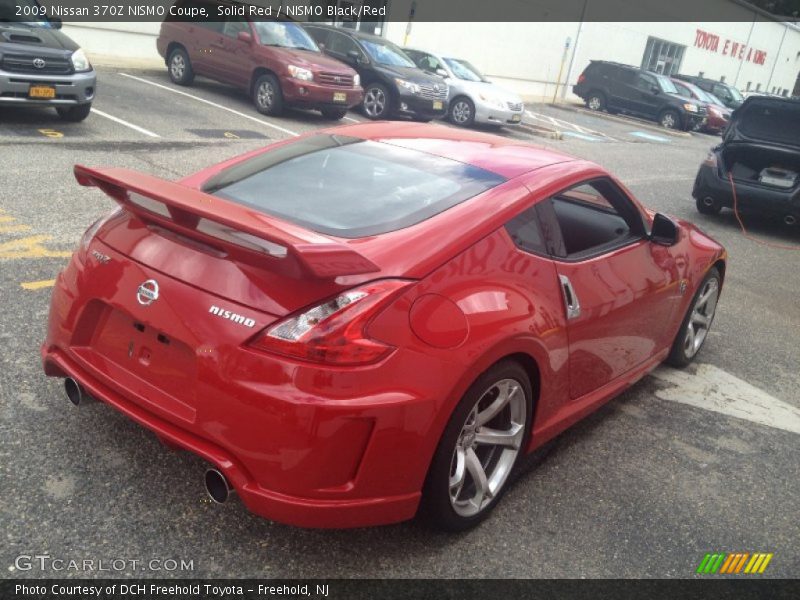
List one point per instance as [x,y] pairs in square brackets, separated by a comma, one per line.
[551,230]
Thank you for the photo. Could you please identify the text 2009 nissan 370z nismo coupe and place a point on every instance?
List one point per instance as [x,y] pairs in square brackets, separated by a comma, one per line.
[374,320]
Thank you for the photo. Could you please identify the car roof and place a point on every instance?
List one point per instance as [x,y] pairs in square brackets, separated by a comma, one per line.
[352,33]
[502,156]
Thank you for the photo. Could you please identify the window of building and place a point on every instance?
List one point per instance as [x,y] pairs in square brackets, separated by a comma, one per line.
[662,56]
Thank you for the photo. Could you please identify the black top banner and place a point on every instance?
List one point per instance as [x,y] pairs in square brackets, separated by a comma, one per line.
[397,589]
[355,11]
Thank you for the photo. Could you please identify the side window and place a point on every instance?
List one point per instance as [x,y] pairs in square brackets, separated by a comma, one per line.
[590,218]
[233,26]
[683,91]
[721,92]
[625,75]
[645,82]
[525,232]
[429,63]
[341,44]
[320,35]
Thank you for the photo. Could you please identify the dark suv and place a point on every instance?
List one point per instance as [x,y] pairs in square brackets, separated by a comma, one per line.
[393,85]
[40,66]
[625,89]
[727,93]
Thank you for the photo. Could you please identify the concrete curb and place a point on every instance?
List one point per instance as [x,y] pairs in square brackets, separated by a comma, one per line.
[627,120]
[538,130]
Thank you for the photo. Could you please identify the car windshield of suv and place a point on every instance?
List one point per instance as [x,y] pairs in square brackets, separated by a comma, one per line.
[665,83]
[463,70]
[284,35]
[28,8]
[386,53]
[714,99]
[349,187]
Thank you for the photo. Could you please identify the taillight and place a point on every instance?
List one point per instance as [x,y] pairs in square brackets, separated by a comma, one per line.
[711,159]
[581,78]
[334,332]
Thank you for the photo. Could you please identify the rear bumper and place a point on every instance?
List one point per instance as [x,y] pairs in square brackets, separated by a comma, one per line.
[301,444]
[750,197]
[71,90]
[308,94]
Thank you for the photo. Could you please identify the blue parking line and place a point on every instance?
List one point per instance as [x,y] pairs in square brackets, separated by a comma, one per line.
[649,136]
[582,136]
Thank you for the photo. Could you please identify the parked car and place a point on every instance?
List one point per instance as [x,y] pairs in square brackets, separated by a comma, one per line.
[731,96]
[393,85]
[718,114]
[41,66]
[760,152]
[276,62]
[473,98]
[378,318]
[622,88]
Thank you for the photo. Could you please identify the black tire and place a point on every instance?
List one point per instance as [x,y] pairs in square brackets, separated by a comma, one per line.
[334,114]
[437,507]
[596,100]
[679,355]
[670,119]
[74,114]
[377,103]
[268,96]
[179,67]
[462,112]
[708,205]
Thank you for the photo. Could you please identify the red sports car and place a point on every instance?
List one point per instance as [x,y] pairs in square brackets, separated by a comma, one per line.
[374,320]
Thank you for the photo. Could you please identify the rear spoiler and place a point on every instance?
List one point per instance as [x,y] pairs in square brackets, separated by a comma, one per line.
[216,221]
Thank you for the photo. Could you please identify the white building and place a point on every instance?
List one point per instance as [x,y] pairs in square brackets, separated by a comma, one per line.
[755,52]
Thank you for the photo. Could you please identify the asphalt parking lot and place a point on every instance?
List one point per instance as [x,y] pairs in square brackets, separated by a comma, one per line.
[683,463]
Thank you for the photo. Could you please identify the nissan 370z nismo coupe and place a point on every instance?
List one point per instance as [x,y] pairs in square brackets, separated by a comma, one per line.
[367,322]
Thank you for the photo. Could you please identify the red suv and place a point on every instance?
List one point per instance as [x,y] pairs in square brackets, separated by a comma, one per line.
[277,62]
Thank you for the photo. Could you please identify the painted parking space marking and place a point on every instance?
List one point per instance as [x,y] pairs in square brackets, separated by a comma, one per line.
[566,126]
[713,389]
[648,136]
[582,136]
[210,103]
[38,285]
[230,134]
[141,130]
[51,133]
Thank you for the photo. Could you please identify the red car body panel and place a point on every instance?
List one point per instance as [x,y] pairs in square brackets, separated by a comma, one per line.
[325,446]
[237,62]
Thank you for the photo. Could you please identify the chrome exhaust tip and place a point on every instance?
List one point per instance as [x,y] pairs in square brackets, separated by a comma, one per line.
[790,220]
[217,486]
[75,392]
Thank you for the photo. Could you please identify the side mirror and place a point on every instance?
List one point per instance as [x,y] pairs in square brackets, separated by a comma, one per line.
[441,73]
[245,37]
[664,231]
[655,90]
[321,46]
[354,55]
[56,22]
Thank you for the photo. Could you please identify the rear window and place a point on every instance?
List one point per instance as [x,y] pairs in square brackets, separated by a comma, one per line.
[349,187]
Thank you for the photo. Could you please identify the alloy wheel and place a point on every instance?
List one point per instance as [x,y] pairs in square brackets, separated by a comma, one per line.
[177,66]
[265,95]
[461,112]
[668,120]
[487,447]
[701,317]
[594,103]
[374,102]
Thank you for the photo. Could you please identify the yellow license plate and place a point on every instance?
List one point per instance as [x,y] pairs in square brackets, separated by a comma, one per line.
[437,105]
[339,97]
[41,91]
[516,118]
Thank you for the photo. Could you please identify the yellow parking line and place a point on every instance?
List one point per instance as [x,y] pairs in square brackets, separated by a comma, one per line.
[13,228]
[38,285]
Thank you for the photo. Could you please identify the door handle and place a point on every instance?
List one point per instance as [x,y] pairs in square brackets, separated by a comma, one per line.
[571,301]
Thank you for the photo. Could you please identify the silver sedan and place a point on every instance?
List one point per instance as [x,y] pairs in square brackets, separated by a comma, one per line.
[473,99]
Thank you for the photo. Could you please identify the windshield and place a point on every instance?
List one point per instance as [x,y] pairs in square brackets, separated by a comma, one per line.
[666,85]
[284,35]
[348,187]
[386,53]
[463,70]
[714,99]
[32,14]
